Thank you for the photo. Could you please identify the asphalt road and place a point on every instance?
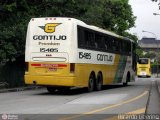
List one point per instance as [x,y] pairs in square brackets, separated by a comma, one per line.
[113,102]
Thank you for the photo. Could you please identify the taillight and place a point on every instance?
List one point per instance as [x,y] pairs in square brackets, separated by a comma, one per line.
[26,66]
[72,67]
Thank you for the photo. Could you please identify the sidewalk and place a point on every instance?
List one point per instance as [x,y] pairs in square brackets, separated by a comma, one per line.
[158,84]
[20,89]
[157,78]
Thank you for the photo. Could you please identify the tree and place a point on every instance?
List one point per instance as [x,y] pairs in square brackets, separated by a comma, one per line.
[151,55]
[139,52]
[118,16]
[156,1]
[113,15]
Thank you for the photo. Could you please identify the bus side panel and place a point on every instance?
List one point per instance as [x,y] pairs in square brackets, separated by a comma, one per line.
[121,66]
[128,70]
[108,72]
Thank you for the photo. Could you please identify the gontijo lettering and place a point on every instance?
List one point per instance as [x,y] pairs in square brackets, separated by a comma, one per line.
[103,57]
[49,37]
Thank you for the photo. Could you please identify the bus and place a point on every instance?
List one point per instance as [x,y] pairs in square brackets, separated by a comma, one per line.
[144,67]
[64,53]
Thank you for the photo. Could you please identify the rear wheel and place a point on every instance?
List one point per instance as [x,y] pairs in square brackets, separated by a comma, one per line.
[127,80]
[91,83]
[99,82]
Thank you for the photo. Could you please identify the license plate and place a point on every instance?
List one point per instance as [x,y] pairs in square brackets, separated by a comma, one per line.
[143,73]
[52,69]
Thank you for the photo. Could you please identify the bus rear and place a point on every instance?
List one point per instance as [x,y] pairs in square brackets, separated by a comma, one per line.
[144,67]
[48,44]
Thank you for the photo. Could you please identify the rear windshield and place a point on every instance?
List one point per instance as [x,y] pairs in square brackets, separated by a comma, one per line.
[143,61]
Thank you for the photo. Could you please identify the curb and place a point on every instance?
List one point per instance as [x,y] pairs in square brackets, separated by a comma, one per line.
[158,82]
[20,89]
[158,86]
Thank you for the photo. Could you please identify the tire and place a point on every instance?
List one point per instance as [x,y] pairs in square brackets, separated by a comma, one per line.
[127,80]
[91,83]
[148,76]
[125,84]
[99,82]
[51,89]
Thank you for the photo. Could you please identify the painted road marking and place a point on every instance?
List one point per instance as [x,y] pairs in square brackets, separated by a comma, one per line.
[100,99]
[139,111]
[108,107]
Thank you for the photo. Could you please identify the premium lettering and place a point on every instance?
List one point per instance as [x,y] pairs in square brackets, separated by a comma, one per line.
[41,43]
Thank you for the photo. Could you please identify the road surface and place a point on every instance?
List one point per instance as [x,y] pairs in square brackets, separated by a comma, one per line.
[113,102]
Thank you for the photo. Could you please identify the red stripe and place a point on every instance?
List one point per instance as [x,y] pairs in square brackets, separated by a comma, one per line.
[36,65]
[62,65]
[49,65]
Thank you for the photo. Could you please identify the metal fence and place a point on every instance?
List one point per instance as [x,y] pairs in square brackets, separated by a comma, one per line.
[12,74]
[155,69]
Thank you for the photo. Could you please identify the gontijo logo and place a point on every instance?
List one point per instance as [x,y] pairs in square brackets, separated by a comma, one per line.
[50,27]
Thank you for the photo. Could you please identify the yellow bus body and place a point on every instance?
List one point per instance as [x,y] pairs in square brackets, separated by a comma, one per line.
[61,76]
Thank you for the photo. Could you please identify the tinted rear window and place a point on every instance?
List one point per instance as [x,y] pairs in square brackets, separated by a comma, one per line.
[143,61]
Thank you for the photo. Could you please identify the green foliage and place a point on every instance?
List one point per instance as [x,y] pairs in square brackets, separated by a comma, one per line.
[157,1]
[150,55]
[114,15]
[118,16]
[139,52]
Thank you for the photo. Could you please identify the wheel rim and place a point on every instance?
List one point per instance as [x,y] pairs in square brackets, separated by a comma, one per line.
[99,83]
[91,85]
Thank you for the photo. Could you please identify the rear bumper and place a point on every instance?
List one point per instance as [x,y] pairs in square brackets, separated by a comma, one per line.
[50,80]
[144,75]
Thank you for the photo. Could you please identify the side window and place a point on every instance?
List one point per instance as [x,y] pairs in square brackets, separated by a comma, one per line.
[94,40]
[86,38]
[101,44]
[113,44]
[81,40]
[118,45]
[127,47]
[108,43]
[89,39]
[99,41]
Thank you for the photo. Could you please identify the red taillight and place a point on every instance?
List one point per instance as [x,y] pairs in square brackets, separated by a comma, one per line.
[72,67]
[26,66]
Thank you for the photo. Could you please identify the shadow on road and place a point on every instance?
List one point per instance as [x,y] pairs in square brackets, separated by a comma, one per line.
[81,90]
